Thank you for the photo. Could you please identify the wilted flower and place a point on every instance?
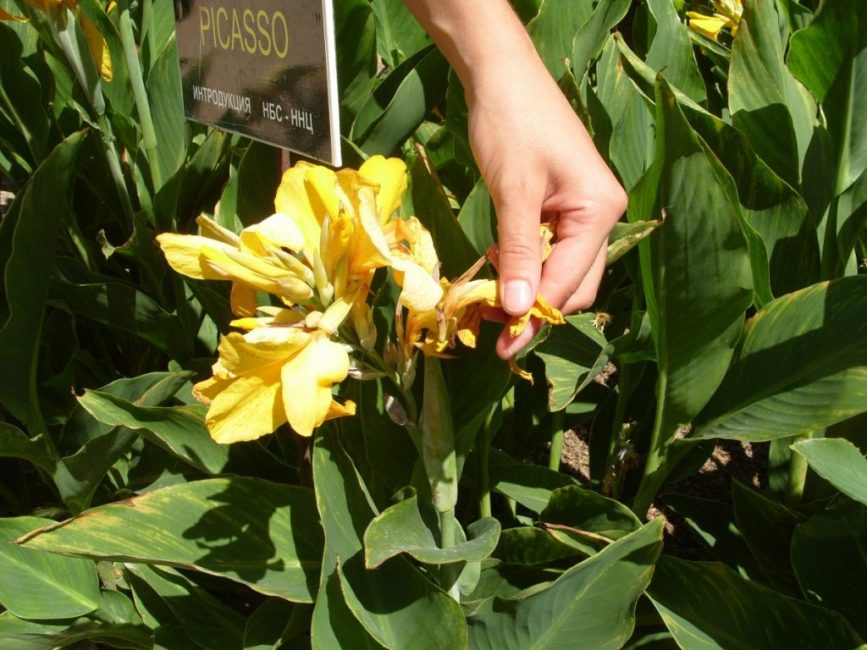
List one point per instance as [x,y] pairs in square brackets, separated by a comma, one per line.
[727,14]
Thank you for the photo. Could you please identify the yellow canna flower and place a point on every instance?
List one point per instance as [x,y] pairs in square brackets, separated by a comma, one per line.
[317,253]
[727,14]
[271,375]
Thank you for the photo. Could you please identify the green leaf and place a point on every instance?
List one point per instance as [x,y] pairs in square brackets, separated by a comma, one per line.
[262,534]
[115,623]
[396,605]
[626,236]
[592,35]
[687,596]
[420,89]
[554,28]
[585,519]
[477,218]
[40,585]
[37,450]
[401,529]
[796,369]
[766,102]
[592,605]
[574,354]
[839,462]
[529,485]
[206,620]
[432,208]
[120,305]
[528,545]
[180,430]
[767,528]
[398,34]
[167,110]
[714,522]
[27,272]
[437,427]
[828,554]
[355,30]
[275,623]
[695,272]
[671,51]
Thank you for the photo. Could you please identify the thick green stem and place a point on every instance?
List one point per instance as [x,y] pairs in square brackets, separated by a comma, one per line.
[449,573]
[149,137]
[484,451]
[557,419]
[655,467]
[797,476]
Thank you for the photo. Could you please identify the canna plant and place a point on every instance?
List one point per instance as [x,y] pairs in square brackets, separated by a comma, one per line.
[246,409]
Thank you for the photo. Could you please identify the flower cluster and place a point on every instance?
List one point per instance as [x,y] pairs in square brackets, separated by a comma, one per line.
[727,14]
[317,255]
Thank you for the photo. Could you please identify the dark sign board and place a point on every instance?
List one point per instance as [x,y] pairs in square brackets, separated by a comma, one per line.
[264,69]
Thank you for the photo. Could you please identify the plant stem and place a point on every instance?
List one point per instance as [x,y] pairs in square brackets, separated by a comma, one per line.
[655,467]
[557,419]
[149,138]
[449,572]
[797,476]
[484,452]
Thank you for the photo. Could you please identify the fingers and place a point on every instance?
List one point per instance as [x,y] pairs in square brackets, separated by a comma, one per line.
[520,262]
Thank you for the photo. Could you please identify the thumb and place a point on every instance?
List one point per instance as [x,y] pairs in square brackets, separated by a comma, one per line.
[520,256]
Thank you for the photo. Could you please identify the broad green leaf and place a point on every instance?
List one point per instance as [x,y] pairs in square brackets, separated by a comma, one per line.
[671,51]
[206,620]
[800,366]
[46,199]
[258,180]
[529,485]
[419,89]
[766,102]
[554,28]
[592,35]
[180,430]
[433,210]
[401,529]
[115,624]
[398,34]
[767,528]
[828,554]
[528,545]
[695,272]
[626,236]
[396,605]
[262,534]
[119,305]
[166,101]
[839,462]
[275,623]
[355,30]
[40,585]
[592,605]
[23,106]
[585,519]
[714,523]
[574,354]
[477,218]
[37,450]
[687,596]
[507,580]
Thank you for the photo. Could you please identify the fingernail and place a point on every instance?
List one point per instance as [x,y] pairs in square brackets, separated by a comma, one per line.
[517,298]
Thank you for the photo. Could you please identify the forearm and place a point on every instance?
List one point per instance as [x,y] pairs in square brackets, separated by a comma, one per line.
[483,40]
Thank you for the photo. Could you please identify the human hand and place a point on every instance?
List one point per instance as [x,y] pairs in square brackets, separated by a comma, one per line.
[535,155]
[539,163]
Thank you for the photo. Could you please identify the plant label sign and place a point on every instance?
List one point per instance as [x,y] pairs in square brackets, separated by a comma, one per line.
[264,69]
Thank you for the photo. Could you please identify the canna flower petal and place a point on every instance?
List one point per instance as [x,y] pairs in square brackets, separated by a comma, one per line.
[184,254]
[307,379]
[420,292]
[389,174]
[709,26]
[277,231]
[294,200]
[98,48]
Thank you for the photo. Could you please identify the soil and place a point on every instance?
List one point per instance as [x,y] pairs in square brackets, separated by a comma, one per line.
[730,459]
